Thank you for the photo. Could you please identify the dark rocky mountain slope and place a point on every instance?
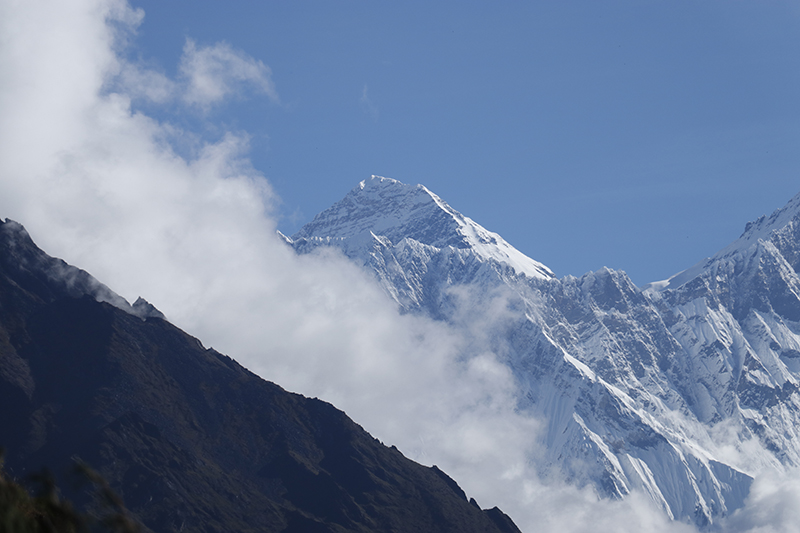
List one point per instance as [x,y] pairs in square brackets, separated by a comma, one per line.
[190,439]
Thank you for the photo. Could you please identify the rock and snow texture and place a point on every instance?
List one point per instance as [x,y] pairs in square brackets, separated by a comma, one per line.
[391,212]
[683,390]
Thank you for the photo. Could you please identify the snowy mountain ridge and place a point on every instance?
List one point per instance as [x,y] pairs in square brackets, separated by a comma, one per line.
[682,391]
[780,222]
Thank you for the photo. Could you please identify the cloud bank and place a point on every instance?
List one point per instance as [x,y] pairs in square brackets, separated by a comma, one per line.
[102,186]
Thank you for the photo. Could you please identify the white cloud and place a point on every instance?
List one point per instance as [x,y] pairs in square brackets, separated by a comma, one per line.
[212,73]
[100,186]
[367,105]
[138,81]
[773,506]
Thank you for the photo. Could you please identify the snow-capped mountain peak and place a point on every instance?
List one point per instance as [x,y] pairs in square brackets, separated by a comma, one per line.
[634,385]
[395,211]
[778,228]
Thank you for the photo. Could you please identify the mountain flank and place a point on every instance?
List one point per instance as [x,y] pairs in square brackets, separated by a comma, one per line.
[187,437]
[643,389]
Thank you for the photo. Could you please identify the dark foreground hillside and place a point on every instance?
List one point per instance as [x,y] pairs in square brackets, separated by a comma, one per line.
[190,439]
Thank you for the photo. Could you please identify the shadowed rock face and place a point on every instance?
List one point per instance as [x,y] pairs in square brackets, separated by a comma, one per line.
[190,439]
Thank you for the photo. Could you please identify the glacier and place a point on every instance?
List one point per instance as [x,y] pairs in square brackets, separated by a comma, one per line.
[683,389]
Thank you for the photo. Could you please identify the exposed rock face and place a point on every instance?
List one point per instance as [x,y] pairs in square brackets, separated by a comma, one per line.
[641,389]
[191,440]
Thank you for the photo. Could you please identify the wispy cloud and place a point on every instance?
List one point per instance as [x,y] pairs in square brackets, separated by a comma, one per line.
[367,105]
[771,507]
[140,82]
[213,73]
[207,76]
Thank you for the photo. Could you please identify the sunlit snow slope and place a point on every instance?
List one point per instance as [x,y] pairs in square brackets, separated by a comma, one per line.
[683,390]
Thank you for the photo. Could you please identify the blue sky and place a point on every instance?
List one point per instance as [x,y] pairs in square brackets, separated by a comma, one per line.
[639,135]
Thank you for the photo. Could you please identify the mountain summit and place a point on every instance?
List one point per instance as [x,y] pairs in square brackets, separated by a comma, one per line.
[396,211]
[635,385]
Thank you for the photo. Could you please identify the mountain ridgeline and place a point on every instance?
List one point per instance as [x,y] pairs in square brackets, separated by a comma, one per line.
[683,390]
[187,437]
